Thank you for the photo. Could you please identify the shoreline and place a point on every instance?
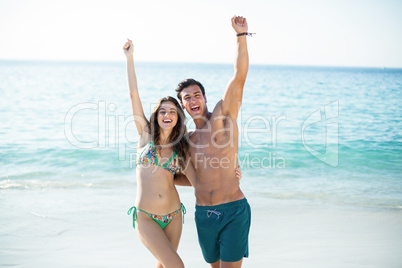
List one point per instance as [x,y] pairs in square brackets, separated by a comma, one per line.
[90,228]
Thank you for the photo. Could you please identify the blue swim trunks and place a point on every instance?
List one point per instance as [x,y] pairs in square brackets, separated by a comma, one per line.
[223,230]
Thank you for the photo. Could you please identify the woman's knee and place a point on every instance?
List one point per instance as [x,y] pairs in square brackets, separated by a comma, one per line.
[179,264]
[176,264]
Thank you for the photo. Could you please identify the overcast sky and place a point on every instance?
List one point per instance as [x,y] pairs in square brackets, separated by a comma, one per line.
[325,33]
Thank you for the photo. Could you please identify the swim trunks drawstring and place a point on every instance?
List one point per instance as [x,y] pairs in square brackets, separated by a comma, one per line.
[210,211]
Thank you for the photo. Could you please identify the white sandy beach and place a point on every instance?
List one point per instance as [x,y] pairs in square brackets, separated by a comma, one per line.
[88,227]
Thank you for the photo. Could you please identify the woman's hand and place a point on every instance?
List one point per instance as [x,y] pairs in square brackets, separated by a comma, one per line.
[128,47]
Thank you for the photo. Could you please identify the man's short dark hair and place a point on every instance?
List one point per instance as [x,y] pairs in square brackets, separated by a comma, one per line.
[186,83]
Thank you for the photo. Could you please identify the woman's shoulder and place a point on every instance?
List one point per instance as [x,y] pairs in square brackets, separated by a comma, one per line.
[144,140]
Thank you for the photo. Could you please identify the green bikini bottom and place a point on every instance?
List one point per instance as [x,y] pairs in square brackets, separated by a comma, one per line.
[162,220]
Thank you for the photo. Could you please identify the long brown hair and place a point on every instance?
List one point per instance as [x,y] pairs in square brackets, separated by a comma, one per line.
[179,135]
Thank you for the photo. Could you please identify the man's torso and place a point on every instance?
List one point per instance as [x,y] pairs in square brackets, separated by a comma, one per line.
[214,154]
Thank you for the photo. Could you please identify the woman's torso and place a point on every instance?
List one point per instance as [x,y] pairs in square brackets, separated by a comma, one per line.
[156,192]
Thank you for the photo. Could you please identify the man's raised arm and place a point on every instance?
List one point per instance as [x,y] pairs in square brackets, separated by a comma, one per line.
[234,91]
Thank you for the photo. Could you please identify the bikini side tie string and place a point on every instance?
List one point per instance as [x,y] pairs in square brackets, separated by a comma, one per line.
[134,211]
[183,209]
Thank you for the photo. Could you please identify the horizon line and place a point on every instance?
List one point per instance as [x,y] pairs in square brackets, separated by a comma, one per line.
[195,62]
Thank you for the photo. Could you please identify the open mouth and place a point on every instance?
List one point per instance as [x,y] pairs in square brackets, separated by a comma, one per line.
[195,108]
[167,121]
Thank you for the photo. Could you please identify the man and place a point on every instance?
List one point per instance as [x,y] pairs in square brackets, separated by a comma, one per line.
[222,213]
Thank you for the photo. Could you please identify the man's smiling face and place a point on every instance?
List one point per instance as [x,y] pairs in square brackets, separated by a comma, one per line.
[193,101]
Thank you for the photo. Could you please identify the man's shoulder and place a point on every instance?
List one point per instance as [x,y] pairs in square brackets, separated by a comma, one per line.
[219,115]
[217,109]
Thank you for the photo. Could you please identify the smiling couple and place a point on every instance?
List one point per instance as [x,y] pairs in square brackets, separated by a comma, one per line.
[169,156]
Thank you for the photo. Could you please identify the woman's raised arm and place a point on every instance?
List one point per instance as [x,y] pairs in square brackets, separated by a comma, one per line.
[140,120]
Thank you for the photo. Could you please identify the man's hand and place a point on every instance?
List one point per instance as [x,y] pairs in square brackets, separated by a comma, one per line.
[128,47]
[239,24]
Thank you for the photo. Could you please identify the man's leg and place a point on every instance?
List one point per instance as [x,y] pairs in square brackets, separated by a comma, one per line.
[208,227]
[216,264]
[223,264]
[236,264]
[234,237]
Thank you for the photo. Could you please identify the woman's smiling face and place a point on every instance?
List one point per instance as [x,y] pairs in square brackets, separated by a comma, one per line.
[167,115]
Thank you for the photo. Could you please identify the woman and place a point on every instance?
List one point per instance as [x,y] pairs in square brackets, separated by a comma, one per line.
[157,215]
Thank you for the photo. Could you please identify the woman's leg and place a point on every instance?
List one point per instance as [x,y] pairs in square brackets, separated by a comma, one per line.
[157,242]
[173,230]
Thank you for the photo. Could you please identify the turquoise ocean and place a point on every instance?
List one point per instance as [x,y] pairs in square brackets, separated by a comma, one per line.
[320,148]
[328,135]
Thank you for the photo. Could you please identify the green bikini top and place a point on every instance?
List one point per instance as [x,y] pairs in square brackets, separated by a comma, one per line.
[148,157]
